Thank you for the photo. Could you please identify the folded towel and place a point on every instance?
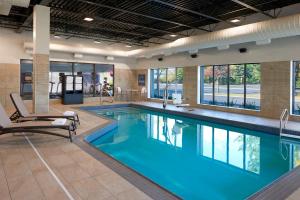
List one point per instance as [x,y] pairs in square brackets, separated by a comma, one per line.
[59,121]
[69,113]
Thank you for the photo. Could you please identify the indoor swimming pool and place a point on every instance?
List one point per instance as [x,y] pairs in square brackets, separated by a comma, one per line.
[195,159]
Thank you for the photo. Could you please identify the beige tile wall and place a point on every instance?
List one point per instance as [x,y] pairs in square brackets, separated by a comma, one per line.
[9,82]
[41,83]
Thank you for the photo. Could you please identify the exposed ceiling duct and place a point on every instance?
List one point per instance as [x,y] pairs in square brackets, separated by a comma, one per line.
[261,33]
[5,5]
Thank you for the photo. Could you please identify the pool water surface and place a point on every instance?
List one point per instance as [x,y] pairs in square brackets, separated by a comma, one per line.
[195,159]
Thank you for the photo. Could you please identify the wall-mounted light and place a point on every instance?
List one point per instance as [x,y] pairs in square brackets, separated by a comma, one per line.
[88,19]
[128,46]
[97,42]
[173,35]
[57,37]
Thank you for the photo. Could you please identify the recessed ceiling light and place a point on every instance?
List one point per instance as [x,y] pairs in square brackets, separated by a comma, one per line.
[235,20]
[173,35]
[88,19]
[97,42]
[128,46]
[57,37]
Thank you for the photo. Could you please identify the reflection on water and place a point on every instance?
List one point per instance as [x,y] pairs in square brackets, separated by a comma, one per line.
[165,130]
[237,149]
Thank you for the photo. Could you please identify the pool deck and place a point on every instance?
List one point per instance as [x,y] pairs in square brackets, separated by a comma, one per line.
[86,175]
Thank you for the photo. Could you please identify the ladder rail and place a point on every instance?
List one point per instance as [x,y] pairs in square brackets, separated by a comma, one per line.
[284,117]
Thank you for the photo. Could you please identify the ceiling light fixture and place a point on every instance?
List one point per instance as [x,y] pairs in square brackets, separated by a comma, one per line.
[173,35]
[128,46]
[97,42]
[57,37]
[235,20]
[88,19]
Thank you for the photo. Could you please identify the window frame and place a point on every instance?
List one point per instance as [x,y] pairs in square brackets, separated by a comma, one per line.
[294,65]
[201,88]
[158,82]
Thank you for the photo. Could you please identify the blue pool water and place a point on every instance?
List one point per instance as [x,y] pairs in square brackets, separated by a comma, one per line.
[195,159]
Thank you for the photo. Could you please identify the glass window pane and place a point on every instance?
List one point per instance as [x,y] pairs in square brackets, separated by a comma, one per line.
[179,78]
[154,83]
[87,72]
[236,87]
[220,144]
[57,69]
[236,149]
[221,84]
[206,89]
[296,92]
[162,83]
[253,86]
[172,82]
[252,160]
[207,137]
[26,79]
[105,76]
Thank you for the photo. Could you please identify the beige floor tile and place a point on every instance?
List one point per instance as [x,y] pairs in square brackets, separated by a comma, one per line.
[90,189]
[60,160]
[94,168]
[114,183]
[73,173]
[133,194]
[49,186]
[4,190]
[15,171]
[25,188]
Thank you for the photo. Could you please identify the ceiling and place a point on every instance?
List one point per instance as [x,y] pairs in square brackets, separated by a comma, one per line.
[138,22]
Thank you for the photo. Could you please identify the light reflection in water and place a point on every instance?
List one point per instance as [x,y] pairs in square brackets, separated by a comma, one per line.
[237,149]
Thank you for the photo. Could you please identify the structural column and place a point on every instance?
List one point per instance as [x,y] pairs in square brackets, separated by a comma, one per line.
[41,35]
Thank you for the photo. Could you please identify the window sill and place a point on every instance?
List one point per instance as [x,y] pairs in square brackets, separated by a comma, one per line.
[228,107]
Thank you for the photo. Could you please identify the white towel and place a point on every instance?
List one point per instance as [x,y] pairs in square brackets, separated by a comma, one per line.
[69,113]
[59,121]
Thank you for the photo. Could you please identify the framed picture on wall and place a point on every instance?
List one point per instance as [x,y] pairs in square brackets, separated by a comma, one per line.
[141,79]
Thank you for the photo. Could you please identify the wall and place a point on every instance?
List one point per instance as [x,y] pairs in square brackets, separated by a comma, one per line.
[9,82]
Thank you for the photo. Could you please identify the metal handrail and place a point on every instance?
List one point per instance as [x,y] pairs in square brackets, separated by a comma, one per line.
[284,117]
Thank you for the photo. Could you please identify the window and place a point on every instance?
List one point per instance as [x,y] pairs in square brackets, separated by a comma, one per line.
[296,89]
[162,78]
[93,76]
[104,73]
[86,70]
[236,85]
[57,69]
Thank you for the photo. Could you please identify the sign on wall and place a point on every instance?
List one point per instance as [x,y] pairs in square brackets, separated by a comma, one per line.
[141,79]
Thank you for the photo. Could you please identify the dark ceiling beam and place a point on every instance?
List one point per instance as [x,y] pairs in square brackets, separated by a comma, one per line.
[253,8]
[29,19]
[193,12]
[97,18]
[142,15]
[97,28]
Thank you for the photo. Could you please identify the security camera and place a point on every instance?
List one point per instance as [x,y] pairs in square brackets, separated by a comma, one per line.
[194,55]
[243,50]
[160,59]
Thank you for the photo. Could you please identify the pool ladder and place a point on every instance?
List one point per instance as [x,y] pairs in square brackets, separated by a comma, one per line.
[284,117]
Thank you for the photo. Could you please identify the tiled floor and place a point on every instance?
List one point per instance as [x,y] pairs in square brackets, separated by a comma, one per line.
[23,175]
